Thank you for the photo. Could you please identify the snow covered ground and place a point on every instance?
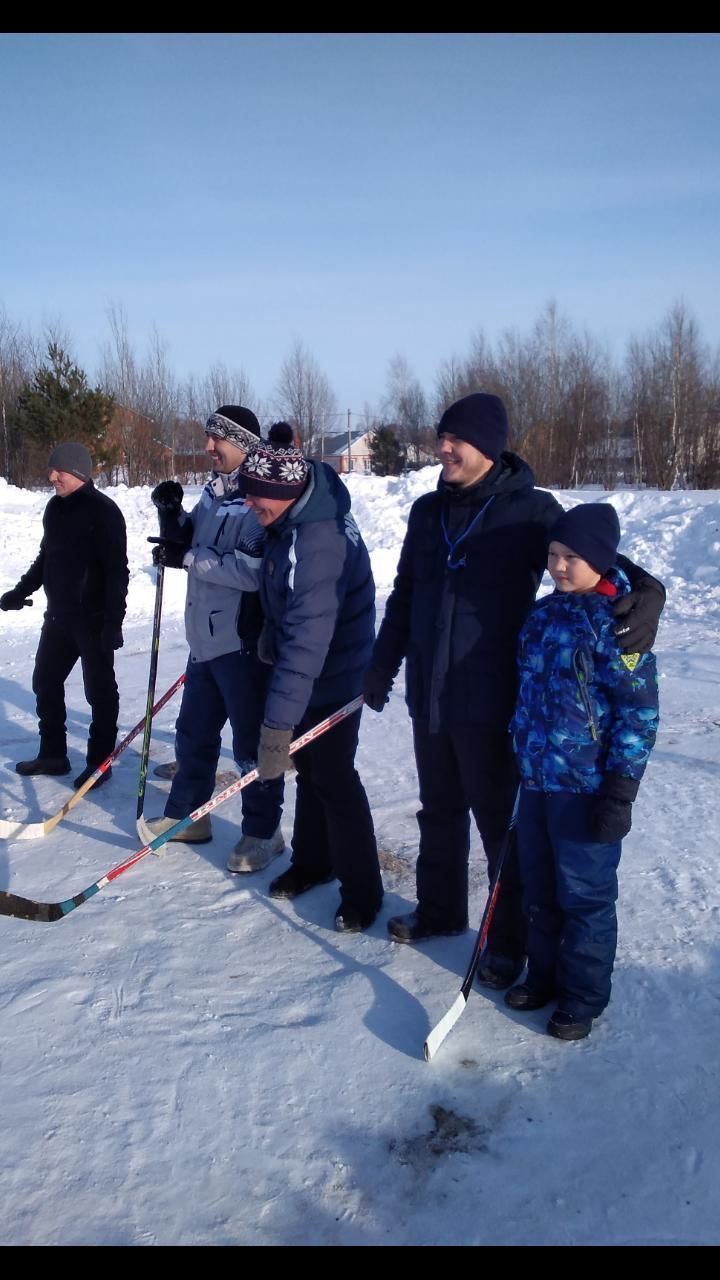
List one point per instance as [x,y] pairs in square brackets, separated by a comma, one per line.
[185,1061]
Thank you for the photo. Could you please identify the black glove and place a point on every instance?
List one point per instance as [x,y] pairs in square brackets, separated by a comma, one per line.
[611,817]
[14,599]
[273,756]
[266,644]
[111,637]
[637,616]
[376,689]
[168,496]
[168,554]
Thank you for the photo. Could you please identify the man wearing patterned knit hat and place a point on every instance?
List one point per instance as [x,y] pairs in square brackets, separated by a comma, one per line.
[318,597]
[219,544]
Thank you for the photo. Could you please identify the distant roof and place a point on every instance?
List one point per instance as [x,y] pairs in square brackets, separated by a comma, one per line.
[338,443]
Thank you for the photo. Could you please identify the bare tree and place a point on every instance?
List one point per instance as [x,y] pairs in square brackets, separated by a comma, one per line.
[305,397]
[407,410]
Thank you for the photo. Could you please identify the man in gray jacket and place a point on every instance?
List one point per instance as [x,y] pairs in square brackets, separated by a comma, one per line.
[220,545]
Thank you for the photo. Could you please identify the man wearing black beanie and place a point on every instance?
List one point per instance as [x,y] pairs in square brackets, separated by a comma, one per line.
[83,568]
[471,563]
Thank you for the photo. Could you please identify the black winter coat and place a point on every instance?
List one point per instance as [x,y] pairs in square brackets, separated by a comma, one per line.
[457,627]
[82,563]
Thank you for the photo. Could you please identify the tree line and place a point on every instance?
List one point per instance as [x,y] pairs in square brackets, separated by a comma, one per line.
[578,416]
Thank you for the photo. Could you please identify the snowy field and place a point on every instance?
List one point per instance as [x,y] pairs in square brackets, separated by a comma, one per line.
[185,1061]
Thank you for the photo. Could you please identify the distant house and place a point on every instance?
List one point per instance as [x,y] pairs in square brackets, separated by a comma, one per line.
[345,455]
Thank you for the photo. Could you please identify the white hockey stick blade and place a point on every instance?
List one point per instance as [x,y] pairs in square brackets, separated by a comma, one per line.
[21,830]
[444,1027]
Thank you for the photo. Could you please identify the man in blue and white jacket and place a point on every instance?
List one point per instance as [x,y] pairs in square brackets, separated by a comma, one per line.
[220,543]
[318,597]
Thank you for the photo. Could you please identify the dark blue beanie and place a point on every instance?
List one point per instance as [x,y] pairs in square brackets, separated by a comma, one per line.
[592,531]
[480,420]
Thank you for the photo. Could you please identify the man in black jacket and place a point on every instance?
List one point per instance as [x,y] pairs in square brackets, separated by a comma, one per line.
[83,568]
[471,563]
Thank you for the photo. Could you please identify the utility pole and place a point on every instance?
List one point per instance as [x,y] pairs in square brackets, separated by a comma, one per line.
[349,444]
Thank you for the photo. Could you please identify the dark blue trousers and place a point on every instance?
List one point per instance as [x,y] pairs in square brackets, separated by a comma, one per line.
[463,771]
[334,832]
[232,688]
[570,890]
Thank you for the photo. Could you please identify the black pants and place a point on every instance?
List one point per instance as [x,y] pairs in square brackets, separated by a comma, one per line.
[61,644]
[333,832]
[462,771]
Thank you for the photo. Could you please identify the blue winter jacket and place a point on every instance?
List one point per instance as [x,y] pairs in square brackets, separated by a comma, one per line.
[584,709]
[318,596]
[222,607]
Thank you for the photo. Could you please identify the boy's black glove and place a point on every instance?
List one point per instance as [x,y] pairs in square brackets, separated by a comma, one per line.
[611,817]
[376,689]
[14,599]
[637,615]
[168,496]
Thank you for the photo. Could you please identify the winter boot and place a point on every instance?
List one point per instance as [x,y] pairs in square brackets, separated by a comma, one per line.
[197,833]
[526,998]
[499,972]
[254,853]
[87,773]
[166,771]
[565,1026]
[53,766]
[414,928]
[293,882]
[351,920]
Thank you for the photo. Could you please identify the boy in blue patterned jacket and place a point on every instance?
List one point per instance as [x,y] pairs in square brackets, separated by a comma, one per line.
[583,728]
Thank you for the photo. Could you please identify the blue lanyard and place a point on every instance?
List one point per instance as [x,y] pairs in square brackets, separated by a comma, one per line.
[452,547]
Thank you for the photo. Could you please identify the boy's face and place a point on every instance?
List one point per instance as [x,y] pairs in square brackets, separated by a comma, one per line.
[569,571]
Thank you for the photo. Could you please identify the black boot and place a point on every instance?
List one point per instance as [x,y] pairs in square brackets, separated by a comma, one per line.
[87,773]
[53,766]
[293,882]
[565,1026]
[526,998]
[350,920]
[414,928]
[499,972]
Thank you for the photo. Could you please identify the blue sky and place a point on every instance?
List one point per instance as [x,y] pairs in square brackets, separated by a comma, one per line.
[368,194]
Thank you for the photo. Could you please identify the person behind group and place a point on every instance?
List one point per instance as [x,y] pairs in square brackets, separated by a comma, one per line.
[82,567]
[470,565]
[219,543]
[318,597]
[583,729]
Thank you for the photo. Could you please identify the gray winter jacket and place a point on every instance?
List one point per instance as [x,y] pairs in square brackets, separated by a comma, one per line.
[222,608]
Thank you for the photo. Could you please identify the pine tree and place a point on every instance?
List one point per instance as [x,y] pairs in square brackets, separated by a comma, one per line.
[387,456]
[56,405]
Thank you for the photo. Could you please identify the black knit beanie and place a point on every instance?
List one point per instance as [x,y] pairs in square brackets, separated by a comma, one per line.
[592,531]
[480,420]
[73,458]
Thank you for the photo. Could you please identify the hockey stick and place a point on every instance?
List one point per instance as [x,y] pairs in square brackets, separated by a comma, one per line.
[154,648]
[34,830]
[12,904]
[447,1022]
